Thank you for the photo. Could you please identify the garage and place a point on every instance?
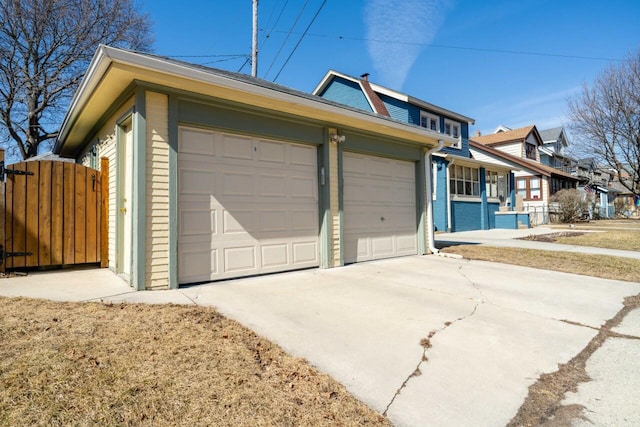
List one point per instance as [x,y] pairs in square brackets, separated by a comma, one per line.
[379,207]
[245,206]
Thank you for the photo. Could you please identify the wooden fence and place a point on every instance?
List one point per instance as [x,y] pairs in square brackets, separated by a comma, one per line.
[53,215]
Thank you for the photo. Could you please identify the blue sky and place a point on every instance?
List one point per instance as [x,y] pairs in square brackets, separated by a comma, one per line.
[511,62]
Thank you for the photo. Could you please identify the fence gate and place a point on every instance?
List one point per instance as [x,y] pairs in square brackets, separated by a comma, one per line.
[52,215]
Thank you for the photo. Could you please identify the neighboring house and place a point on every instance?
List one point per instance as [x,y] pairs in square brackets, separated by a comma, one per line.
[593,180]
[467,192]
[553,149]
[216,175]
[535,182]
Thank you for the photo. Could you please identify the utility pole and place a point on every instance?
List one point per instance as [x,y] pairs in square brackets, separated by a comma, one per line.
[254,49]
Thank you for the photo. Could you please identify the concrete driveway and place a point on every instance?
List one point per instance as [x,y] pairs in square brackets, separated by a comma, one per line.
[428,340]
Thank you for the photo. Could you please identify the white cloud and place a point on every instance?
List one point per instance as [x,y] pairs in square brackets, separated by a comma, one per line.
[543,110]
[409,23]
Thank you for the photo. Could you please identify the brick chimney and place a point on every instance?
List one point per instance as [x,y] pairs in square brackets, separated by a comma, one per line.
[478,133]
[365,77]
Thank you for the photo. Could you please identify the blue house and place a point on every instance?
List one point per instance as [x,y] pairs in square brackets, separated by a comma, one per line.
[467,194]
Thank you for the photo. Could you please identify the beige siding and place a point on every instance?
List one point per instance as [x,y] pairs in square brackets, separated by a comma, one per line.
[515,149]
[334,259]
[157,191]
[105,140]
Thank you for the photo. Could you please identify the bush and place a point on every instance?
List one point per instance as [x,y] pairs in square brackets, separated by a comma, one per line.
[571,205]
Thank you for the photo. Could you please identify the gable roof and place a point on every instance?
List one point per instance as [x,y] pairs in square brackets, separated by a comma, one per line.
[381,90]
[507,137]
[113,71]
[549,135]
[524,163]
[553,135]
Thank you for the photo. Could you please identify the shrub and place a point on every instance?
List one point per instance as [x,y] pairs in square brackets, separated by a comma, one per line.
[570,205]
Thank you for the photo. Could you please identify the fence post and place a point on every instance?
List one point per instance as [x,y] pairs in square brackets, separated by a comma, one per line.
[104,213]
[2,213]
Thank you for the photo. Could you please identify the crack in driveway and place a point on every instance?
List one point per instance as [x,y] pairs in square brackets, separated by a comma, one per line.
[543,403]
[425,343]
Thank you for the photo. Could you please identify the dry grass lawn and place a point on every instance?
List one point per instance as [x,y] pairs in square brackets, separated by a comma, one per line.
[130,364]
[607,267]
[628,240]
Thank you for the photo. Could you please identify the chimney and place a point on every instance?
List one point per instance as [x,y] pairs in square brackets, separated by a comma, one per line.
[365,77]
[478,133]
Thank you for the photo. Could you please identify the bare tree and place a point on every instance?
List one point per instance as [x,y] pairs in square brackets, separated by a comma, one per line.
[605,120]
[45,47]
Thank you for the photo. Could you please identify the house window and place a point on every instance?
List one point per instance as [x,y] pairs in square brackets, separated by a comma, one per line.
[453,129]
[492,184]
[530,188]
[430,122]
[93,157]
[530,151]
[464,181]
[497,185]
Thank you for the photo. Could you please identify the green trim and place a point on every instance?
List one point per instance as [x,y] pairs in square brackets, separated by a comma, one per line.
[365,144]
[139,191]
[173,192]
[341,202]
[324,203]
[215,116]
[421,211]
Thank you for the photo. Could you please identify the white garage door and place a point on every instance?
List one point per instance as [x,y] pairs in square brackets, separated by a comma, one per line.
[379,206]
[246,206]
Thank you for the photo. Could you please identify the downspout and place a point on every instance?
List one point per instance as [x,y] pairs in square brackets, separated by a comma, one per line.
[449,195]
[429,176]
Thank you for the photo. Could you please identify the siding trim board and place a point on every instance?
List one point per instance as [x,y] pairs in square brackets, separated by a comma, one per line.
[139,233]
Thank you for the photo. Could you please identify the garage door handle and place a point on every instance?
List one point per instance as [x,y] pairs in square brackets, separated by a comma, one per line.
[381,218]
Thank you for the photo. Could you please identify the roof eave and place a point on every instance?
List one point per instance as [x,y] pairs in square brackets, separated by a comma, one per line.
[106,56]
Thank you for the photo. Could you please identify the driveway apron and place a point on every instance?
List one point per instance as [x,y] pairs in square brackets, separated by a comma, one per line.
[426,340]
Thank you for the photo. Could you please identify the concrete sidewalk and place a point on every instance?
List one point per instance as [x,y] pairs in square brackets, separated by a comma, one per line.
[493,329]
[511,238]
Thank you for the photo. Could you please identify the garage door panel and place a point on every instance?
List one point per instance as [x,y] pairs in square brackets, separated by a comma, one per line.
[407,244]
[304,220]
[274,221]
[272,186]
[238,184]
[238,221]
[240,259]
[273,152]
[198,264]
[248,210]
[197,142]
[197,222]
[197,181]
[276,255]
[382,246]
[237,147]
[303,187]
[302,155]
[305,253]
[379,207]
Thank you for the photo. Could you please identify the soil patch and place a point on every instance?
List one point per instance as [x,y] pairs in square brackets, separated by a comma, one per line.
[552,237]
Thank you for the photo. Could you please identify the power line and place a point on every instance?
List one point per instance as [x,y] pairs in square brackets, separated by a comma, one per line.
[478,49]
[287,37]
[300,40]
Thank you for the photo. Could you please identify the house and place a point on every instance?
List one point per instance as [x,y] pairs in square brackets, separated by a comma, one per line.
[553,149]
[534,181]
[216,175]
[468,192]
